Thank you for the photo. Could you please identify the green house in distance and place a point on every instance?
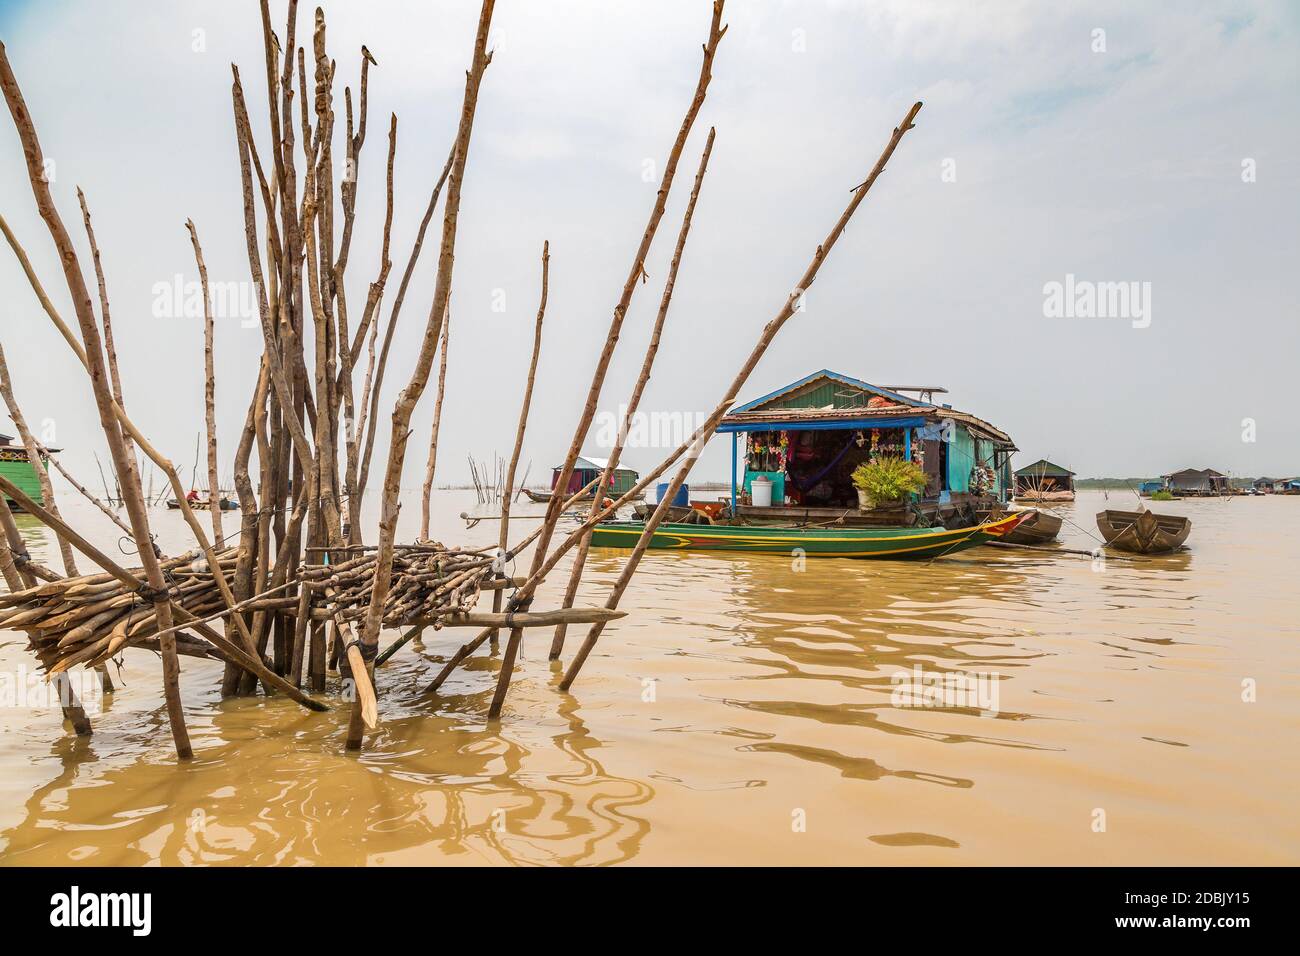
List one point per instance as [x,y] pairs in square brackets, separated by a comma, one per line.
[17,467]
[1044,481]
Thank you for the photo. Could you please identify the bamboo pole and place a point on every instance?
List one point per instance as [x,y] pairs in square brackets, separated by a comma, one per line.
[765,339]
[123,459]
[209,391]
[634,401]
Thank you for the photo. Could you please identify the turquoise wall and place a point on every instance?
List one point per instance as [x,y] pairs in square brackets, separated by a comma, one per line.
[961,457]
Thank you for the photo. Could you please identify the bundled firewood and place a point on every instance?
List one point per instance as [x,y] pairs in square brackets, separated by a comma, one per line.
[430,583]
[87,620]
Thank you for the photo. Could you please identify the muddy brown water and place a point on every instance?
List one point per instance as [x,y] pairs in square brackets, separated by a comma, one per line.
[748,710]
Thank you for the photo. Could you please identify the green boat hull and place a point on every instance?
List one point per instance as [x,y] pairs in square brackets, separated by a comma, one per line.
[870,543]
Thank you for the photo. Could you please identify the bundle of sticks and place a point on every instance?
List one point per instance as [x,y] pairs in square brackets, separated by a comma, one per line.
[430,582]
[89,619]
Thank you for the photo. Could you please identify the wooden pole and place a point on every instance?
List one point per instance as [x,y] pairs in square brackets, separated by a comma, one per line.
[634,401]
[110,349]
[209,391]
[765,339]
[128,431]
[86,492]
[507,489]
[471,646]
[427,489]
[635,274]
[124,461]
[363,473]
[411,394]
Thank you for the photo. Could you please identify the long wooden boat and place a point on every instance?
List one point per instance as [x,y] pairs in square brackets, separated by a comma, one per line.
[886,543]
[1039,527]
[1143,532]
[203,504]
[542,497]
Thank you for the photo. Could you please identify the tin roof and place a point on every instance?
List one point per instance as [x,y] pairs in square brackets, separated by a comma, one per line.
[1044,468]
[897,411]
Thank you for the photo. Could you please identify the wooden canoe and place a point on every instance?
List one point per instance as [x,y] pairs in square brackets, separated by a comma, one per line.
[1143,532]
[542,497]
[1039,527]
[203,504]
[867,543]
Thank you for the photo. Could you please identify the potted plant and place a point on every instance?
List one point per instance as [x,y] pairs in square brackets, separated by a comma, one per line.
[886,480]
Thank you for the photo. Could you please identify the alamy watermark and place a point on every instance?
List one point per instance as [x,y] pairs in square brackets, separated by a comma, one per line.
[178,299]
[977,690]
[647,429]
[1085,299]
[29,689]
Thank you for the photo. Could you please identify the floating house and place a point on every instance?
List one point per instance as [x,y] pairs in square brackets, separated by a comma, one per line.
[1149,488]
[587,469]
[1193,482]
[1044,481]
[1266,486]
[808,437]
[17,467]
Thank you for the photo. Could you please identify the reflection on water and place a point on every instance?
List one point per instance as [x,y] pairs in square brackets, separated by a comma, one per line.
[746,711]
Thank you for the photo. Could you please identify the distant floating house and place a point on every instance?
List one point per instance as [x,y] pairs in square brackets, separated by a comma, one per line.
[587,469]
[809,436]
[1149,488]
[1266,486]
[1193,482]
[1044,481]
[17,467]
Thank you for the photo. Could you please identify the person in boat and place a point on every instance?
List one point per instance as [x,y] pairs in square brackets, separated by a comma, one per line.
[193,496]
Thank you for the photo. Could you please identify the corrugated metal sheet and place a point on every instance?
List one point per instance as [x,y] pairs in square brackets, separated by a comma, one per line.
[23,475]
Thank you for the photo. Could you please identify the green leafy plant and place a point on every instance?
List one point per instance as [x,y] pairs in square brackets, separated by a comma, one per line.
[1162,495]
[888,479]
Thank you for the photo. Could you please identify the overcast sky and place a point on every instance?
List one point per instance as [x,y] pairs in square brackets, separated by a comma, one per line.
[1115,142]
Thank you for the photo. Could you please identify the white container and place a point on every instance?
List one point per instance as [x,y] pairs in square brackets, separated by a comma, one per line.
[761,491]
